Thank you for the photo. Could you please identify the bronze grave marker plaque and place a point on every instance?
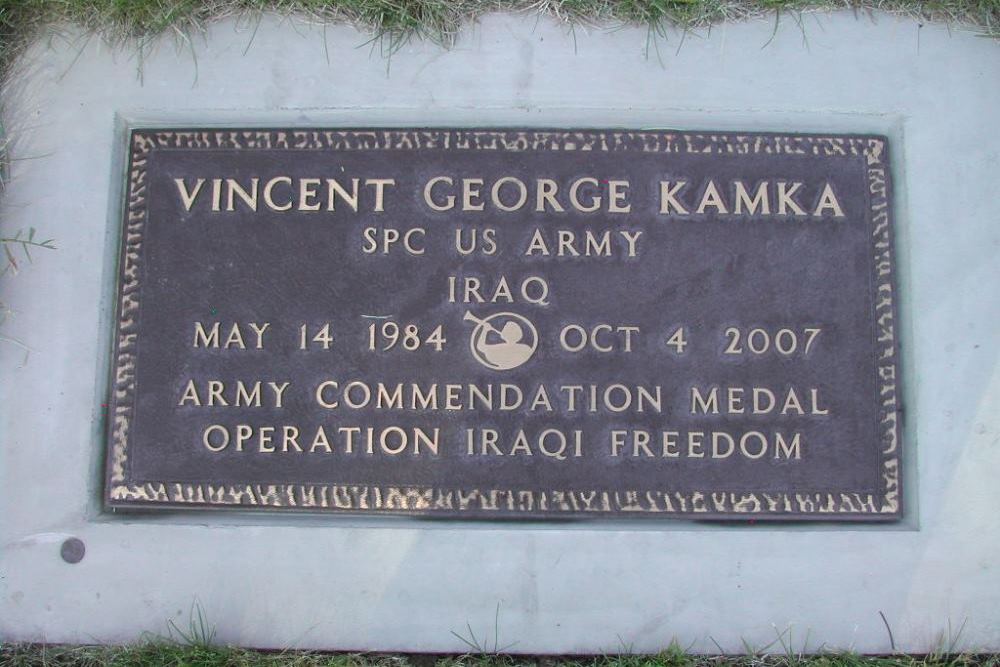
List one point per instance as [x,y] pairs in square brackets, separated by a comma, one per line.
[507,324]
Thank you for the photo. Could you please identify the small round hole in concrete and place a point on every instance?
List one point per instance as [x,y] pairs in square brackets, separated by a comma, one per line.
[72,550]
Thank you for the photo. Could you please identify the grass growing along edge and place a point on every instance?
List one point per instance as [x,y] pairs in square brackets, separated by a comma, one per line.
[160,653]
[196,646]
[439,20]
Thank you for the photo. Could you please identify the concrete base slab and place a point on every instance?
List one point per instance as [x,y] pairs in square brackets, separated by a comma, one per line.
[403,584]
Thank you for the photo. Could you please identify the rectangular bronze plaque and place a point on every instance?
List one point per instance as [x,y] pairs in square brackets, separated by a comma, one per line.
[507,323]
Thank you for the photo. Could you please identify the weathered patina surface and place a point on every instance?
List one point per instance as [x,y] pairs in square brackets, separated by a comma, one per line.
[507,323]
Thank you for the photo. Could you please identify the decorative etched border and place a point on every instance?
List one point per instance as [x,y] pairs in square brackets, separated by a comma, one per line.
[885,504]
